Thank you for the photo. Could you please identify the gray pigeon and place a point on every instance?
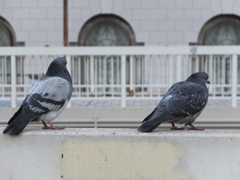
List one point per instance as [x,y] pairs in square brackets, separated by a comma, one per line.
[182,104]
[47,98]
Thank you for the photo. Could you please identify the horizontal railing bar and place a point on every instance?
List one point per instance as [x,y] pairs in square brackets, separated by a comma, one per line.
[5,85]
[5,99]
[132,50]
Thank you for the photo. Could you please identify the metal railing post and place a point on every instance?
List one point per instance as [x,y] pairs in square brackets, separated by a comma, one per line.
[68,59]
[234,80]
[123,81]
[170,70]
[131,73]
[179,68]
[210,87]
[13,82]
[92,73]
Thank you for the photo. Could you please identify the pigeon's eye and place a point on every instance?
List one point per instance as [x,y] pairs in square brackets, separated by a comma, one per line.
[205,78]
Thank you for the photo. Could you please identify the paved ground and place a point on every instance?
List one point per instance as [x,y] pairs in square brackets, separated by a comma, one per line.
[140,103]
[129,103]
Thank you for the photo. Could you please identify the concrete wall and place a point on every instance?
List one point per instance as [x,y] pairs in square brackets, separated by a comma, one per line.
[120,154]
[155,22]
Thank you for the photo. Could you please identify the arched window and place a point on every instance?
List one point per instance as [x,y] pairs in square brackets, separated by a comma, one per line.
[7,38]
[7,35]
[221,30]
[105,30]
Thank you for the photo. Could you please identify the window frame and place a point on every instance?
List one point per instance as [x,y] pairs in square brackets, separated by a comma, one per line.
[8,28]
[207,27]
[98,18]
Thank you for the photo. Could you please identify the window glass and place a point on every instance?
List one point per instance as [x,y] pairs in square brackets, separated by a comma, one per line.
[225,32]
[107,33]
[5,39]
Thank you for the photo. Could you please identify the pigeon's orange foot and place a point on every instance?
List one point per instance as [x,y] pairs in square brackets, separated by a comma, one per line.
[176,128]
[194,128]
[52,126]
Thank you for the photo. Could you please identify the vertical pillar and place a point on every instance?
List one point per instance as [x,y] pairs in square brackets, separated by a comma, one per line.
[13,82]
[179,68]
[234,80]
[65,22]
[123,80]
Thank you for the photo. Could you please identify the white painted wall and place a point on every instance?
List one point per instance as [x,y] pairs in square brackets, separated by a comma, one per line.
[90,154]
[155,22]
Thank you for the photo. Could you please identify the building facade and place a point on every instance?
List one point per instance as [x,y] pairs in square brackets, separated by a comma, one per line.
[120,22]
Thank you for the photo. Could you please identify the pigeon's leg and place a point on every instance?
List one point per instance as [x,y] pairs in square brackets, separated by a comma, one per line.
[175,128]
[52,126]
[45,126]
[194,128]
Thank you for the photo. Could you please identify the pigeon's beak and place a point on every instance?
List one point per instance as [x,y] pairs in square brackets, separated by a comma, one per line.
[208,82]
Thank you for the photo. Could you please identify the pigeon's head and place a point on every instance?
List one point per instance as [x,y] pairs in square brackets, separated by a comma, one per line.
[57,67]
[199,77]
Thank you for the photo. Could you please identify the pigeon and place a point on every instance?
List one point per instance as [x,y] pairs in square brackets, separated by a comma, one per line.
[182,104]
[47,98]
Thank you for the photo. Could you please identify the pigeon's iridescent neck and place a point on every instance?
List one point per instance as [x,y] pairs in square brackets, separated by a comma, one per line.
[193,79]
[56,70]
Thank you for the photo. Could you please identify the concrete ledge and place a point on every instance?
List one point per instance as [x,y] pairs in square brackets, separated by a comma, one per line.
[120,154]
[211,118]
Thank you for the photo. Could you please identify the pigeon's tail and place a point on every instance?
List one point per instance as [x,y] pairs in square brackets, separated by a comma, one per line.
[148,126]
[19,121]
[15,128]
[149,123]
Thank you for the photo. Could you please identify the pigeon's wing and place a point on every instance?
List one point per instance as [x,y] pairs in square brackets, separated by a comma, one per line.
[155,114]
[172,89]
[48,94]
[187,99]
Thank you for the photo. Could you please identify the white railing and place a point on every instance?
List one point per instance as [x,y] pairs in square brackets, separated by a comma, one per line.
[123,73]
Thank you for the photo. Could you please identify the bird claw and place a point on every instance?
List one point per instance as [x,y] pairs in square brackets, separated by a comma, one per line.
[52,126]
